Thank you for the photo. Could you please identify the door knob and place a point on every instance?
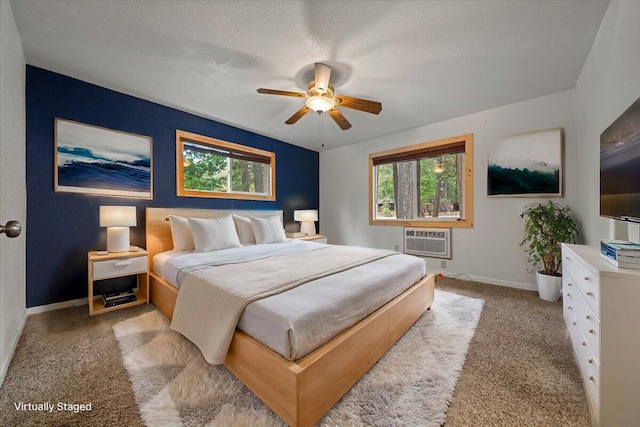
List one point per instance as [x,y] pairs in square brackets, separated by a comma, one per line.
[11,228]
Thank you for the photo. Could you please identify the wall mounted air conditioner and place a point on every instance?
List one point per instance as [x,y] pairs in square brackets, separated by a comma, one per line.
[428,242]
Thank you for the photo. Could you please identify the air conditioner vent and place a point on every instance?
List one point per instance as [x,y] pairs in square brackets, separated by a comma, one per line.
[428,242]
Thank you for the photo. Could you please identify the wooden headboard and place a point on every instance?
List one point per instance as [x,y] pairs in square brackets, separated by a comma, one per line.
[158,231]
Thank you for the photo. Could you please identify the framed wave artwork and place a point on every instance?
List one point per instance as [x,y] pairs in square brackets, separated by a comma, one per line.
[95,160]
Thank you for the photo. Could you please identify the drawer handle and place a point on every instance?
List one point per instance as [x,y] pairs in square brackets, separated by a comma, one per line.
[123,263]
[590,360]
[592,331]
[588,317]
[590,294]
[569,307]
[568,294]
[573,323]
[584,343]
[567,257]
[569,283]
[591,378]
[586,278]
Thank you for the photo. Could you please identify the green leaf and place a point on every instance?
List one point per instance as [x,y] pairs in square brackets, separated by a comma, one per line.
[546,226]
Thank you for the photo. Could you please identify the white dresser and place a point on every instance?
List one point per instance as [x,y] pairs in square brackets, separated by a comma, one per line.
[601,305]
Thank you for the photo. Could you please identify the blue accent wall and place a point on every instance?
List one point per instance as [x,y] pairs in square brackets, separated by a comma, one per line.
[62,227]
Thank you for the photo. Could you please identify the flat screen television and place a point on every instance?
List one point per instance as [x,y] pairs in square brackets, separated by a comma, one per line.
[620,167]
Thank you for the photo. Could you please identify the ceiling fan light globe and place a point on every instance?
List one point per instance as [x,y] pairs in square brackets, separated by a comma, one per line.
[320,103]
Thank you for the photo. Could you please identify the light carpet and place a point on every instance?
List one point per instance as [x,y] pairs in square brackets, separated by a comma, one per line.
[411,385]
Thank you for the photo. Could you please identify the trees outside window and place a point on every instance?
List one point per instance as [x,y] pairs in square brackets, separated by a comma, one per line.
[207,167]
[425,184]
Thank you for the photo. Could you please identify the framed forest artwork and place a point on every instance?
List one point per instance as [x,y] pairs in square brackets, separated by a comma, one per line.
[526,165]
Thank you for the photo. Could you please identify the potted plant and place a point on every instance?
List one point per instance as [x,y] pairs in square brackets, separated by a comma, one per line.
[546,226]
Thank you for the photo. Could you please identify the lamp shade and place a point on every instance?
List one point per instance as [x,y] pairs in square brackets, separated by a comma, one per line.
[117,216]
[305,215]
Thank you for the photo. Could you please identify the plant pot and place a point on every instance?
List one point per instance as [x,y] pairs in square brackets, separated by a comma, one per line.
[549,287]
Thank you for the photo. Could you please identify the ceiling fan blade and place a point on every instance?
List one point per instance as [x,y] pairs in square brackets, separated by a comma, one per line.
[282,92]
[301,112]
[322,75]
[365,105]
[339,119]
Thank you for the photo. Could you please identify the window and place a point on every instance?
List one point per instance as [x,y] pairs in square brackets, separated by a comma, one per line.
[424,185]
[208,167]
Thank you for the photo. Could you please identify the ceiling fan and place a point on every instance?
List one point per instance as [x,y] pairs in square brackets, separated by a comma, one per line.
[321,97]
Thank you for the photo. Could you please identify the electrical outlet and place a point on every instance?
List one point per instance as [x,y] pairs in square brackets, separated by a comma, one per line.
[396,248]
[443,264]
[530,270]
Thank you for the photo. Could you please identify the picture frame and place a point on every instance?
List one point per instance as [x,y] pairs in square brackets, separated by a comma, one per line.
[95,160]
[527,165]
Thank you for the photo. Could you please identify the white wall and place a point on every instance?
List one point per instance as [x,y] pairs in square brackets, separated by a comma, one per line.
[12,184]
[608,84]
[487,252]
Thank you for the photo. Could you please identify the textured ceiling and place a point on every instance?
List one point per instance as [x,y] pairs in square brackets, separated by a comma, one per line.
[426,61]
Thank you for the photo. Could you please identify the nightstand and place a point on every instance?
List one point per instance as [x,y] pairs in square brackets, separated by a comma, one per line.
[117,264]
[318,238]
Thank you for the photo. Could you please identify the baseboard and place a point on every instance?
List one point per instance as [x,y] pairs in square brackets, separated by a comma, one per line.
[490,281]
[12,347]
[56,306]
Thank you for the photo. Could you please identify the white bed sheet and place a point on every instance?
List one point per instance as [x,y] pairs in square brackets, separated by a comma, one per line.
[295,322]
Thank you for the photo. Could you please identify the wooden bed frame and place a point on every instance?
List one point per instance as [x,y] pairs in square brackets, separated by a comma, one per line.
[299,392]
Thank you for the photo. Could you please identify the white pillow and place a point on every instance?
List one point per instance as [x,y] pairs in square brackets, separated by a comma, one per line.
[268,230]
[245,229]
[214,234]
[181,233]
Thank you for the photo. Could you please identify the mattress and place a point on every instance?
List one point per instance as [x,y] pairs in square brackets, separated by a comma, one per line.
[295,322]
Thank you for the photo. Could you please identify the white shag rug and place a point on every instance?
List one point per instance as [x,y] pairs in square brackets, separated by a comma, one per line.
[412,385]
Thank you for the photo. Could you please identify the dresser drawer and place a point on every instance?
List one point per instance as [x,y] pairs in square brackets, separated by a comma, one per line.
[589,286]
[590,368]
[568,263]
[568,304]
[119,267]
[589,325]
[574,334]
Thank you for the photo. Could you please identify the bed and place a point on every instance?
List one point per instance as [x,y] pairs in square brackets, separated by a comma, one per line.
[301,390]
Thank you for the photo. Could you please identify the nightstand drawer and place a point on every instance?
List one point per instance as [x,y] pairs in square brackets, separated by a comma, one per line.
[119,267]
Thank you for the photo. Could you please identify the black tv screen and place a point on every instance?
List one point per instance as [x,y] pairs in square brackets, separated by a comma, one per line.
[620,167]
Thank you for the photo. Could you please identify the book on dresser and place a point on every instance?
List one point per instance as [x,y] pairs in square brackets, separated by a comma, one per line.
[621,253]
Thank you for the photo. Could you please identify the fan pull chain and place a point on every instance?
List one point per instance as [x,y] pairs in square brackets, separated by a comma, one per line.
[320,128]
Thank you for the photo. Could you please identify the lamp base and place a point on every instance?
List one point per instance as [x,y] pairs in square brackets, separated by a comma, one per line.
[117,239]
[308,228]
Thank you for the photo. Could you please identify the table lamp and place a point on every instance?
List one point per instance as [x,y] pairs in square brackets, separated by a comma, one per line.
[307,218]
[117,219]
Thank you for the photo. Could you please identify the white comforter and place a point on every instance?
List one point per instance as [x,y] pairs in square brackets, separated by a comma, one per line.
[295,322]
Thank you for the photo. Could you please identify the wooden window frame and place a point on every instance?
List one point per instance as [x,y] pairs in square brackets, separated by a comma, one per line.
[183,137]
[462,143]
